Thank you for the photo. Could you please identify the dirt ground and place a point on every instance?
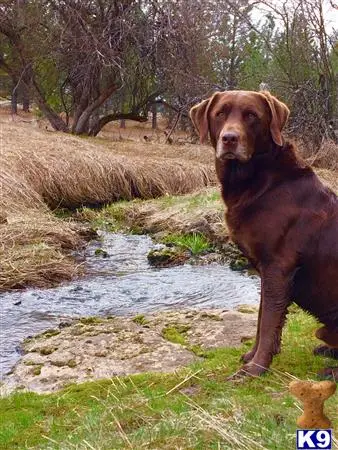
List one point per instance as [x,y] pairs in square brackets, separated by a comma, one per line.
[132,131]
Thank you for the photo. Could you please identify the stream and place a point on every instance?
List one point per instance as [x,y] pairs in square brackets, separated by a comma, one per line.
[123,283]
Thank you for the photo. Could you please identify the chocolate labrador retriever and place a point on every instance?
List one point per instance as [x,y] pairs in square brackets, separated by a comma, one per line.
[280,215]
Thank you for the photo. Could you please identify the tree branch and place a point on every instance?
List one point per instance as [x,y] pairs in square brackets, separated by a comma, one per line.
[113,117]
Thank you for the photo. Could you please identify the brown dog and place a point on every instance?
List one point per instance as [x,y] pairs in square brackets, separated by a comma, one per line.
[278,212]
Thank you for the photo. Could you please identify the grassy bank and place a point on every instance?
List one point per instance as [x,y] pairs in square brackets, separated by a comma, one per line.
[199,212]
[41,171]
[194,408]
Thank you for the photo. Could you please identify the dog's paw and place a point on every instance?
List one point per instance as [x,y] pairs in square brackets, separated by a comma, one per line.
[248,370]
[329,373]
[247,357]
[325,350]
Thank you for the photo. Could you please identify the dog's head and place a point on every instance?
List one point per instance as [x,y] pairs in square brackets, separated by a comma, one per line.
[240,122]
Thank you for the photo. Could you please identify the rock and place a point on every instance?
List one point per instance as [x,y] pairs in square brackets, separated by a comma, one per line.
[46,350]
[234,257]
[36,370]
[248,309]
[101,252]
[103,348]
[65,323]
[209,258]
[240,264]
[167,257]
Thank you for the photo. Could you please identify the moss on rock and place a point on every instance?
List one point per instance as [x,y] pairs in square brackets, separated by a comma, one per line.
[168,256]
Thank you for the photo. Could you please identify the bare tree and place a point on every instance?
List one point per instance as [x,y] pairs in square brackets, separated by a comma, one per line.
[302,50]
[90,45]
[104,60]
[300,70]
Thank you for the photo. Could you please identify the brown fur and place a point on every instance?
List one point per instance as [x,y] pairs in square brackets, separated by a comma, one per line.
[278,212]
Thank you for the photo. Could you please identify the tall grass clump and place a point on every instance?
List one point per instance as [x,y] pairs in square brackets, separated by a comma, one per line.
[196,243]
[70,172]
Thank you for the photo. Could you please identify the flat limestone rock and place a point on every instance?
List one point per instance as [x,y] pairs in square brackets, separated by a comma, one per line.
[210,328]
[96,348]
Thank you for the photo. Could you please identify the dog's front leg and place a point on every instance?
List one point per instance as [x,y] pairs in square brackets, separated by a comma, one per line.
[251,353]
[274,303]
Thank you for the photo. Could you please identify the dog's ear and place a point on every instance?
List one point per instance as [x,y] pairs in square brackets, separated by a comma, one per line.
[279,115]
[199,117]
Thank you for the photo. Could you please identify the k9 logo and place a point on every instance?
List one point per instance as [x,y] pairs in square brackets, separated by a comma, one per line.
[314,439]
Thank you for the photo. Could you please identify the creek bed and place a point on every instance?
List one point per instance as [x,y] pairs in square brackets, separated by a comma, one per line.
[122,283]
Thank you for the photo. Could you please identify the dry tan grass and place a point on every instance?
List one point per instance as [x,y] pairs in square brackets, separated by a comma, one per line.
[40,171]
[70,171]
[329,178]
[325,158]
[34,249]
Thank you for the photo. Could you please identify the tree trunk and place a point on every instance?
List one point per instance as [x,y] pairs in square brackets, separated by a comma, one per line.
[183,123]
[93,120]
[55,120]
[154,116]
[81,127]
[25,97]
[25,86]
[123,123]
[168,139]
[57,123]
[81,103]
[171,117]
[14,99]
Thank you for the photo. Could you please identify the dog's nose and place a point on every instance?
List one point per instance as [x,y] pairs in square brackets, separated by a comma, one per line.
[230,138]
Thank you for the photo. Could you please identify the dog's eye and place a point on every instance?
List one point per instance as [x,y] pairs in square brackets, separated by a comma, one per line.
[250,115]
[220,114]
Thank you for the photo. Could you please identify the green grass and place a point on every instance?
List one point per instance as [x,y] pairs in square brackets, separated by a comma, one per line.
[120,216]
[140,320]
[195,408]
[110,218]
[175,334]
[196,243]
[191,201]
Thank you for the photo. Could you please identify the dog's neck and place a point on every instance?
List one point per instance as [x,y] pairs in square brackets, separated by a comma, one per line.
[242,182]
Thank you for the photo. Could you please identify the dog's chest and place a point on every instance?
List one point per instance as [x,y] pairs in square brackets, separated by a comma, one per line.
[245,237]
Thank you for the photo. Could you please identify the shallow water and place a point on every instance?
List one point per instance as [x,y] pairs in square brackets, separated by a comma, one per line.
[123,283]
